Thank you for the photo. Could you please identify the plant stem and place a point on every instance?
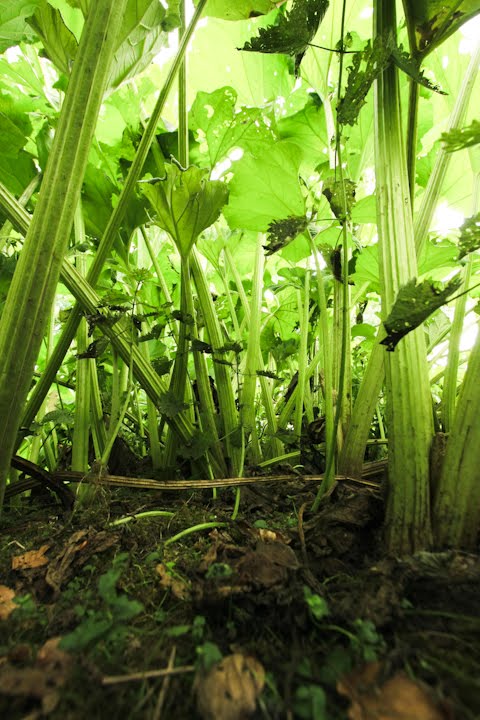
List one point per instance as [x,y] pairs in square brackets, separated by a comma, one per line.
[408,389]
[34,284]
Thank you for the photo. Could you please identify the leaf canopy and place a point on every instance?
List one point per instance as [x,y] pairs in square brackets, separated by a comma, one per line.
[186,203]
[214,118]
[265,187]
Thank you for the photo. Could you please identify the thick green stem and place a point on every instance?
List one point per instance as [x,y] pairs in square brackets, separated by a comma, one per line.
[34,284]
[81,430]
[456,513]
[232,430]
[412,121]
[247,400]
[409,412]
[353,451]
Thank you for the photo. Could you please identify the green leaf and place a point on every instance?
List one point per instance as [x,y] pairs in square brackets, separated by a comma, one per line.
[340,196]
[186,203]
[13,22]
[265,187]
[307,129]
[460,138]
[366,66]
[256,77]
[293,32]
[432,21]
[83,5]
[366,268]
[216,122]
[436,256]
[413,305]
[170,405]
[90,631]
[365,210]
[469,240]
[198,446]
[238,9]
[411,67]
[59,417]
[281,232]
[59,42]
[143,34]
[16,165]
[310,702]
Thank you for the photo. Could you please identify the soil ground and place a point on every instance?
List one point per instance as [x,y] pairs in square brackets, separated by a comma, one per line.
[313,620]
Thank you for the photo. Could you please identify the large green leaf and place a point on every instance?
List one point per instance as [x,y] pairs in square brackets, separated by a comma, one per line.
[214,118]
[186,203]
[265,188]
[16,165]
[257,78]
[307,129]
[432,21]
[13,21]
[144,33]
[59,42]
[238,9]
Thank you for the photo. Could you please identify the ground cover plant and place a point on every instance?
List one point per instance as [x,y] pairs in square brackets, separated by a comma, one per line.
[239,365]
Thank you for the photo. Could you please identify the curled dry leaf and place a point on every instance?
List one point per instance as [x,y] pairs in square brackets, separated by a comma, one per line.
[7,606]
[31,559]
[399,698]
[229,690]
[179,588]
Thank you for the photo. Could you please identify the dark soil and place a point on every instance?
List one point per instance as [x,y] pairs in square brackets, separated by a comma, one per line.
[336,628]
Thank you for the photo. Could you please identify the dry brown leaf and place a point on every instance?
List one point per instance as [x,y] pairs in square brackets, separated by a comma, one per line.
[278,553]
[40,682]
[267,565]
[50,656]
[399,698]
[79,548]
[31,559]
[7,606]
[229,690]
[179,588]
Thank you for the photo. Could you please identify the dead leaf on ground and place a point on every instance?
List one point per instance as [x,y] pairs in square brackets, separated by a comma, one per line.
[80,547]
[229,690]
[398,698]
[31,559]
[272,536]
[267,565]
[40,682]
[179,588]
[7,606]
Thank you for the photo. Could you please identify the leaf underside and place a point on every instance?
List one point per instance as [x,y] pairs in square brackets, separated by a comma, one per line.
[413,305]
[293,32]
